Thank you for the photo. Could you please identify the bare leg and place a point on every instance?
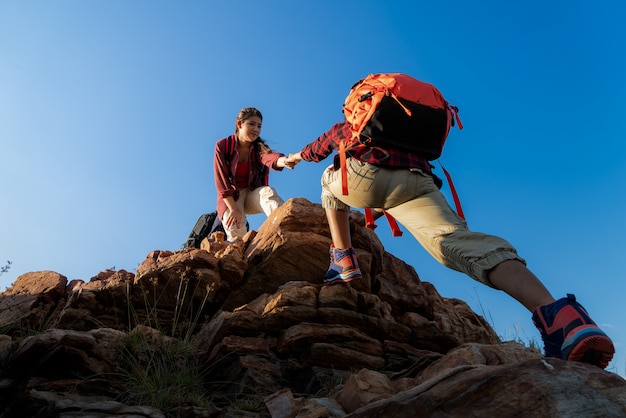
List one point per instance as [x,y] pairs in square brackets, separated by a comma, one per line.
[514,278]
[344,266]
[339,224]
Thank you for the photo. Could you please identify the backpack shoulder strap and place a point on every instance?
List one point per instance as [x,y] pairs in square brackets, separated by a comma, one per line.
[230,146]
[455,195]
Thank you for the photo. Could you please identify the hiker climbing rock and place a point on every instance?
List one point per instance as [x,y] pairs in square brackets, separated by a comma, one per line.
[380,165]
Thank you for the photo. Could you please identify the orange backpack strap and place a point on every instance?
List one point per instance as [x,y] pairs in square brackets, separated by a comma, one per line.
[343,168]
[393,224]
[455,195]
[370,223]
[455,112]
[395,229]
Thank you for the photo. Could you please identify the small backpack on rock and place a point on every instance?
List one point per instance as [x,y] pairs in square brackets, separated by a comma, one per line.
[205,226]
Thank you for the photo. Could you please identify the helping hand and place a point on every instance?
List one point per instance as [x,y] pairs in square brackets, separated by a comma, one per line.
[293,160]
[286,162]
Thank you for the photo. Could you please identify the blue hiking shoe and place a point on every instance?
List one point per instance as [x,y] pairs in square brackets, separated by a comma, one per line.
[343,266]
[569,333]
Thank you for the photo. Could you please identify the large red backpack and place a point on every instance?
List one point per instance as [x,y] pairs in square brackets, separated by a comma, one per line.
[398,111]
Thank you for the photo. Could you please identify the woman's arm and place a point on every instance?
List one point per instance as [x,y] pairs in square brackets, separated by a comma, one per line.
[274,160]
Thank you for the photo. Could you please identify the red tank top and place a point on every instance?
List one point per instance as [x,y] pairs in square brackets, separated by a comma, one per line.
[242,175]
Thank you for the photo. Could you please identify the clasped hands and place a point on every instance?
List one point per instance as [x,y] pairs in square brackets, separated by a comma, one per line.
[292,160]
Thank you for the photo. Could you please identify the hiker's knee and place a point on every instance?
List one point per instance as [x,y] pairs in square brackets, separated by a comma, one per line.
[269,200]
[330,201]
[475,253]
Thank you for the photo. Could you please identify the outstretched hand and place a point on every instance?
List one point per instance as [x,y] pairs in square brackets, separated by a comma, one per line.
[293,160]
[283,162]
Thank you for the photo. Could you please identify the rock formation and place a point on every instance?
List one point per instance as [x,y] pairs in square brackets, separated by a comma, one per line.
[247,330]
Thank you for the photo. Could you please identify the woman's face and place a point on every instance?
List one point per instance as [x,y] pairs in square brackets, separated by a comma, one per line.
[249,129]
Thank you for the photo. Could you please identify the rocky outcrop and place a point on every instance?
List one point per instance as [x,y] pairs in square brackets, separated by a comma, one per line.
[247,330]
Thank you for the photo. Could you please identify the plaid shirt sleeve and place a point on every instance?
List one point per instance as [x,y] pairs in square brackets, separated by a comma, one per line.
[329,141]
[326,143]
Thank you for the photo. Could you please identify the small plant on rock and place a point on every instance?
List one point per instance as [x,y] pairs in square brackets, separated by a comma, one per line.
[5,268]
[161,371]
[158,365]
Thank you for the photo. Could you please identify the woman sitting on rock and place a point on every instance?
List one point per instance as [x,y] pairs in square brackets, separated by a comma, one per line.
[241,168]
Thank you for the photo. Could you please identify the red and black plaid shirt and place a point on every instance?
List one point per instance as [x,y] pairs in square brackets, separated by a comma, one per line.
[329,141]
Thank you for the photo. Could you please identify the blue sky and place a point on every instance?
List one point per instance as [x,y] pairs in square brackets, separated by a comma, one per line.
[109,112]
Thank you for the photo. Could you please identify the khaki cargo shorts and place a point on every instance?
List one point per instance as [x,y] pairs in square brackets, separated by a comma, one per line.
[413,198]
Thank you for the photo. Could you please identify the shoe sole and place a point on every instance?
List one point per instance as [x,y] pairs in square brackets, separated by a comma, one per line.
[588,345]
[342,278]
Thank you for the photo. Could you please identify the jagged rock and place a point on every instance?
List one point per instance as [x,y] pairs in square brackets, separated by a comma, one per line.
[191,277]
[72,405]
[250,324]
[102,302]
[476,354]
[282,404]
[363,388]
[531,388]
[6,348]
[29,302]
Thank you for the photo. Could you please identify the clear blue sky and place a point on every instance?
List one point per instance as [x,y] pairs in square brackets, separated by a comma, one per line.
[109,112]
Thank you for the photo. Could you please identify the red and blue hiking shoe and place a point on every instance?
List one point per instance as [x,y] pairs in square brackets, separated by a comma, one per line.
[343,266]
[569,333]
